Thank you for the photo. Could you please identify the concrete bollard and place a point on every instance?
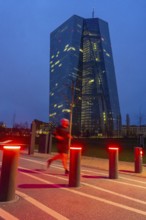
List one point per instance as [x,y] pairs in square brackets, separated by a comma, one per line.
[113,162]
[8,173]
[74,171]
[138,155]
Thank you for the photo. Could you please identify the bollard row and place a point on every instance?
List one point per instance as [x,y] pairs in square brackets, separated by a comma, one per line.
[113,161]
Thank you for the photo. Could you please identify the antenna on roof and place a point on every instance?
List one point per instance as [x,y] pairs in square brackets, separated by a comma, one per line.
[93,13]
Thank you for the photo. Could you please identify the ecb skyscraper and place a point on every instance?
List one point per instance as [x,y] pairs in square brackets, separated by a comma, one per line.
[83,85]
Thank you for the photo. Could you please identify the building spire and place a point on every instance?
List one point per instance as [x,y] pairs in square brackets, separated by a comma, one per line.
[93,13]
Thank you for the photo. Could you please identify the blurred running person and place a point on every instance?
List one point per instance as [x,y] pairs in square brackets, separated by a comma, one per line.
[62,135]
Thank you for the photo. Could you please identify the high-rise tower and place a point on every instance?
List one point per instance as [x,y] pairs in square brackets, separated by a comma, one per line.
[82,77]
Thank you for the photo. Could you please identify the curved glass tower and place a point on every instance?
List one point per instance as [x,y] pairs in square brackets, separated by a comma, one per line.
[82,77]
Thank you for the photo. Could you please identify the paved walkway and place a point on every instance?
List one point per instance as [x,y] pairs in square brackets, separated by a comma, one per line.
[98,163]
[45,194]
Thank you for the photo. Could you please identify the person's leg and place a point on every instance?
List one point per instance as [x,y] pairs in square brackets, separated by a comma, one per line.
[56,157]
[64,162]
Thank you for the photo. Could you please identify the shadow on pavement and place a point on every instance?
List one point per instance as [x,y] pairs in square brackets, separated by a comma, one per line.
[42,186]
[57,174]
[95,177]
[127,171]
[26,171]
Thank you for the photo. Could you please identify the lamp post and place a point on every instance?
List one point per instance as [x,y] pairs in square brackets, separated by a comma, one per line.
[71,112]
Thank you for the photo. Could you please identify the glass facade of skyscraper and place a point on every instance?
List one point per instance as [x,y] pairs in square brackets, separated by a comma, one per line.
[82,77]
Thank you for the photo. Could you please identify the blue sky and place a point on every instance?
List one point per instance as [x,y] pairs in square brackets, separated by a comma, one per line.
[25,27]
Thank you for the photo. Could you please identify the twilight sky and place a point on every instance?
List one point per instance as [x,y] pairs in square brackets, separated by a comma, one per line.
[25,27]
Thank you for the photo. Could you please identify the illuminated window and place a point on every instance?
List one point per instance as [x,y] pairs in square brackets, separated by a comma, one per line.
[64,28]
[53,114]
[59,106]
[66,47]
[71,48]
[108,54]
[65,110]
[58,52]
[104,116]
[57,62]
[91,80]
[76,69]
[94,46]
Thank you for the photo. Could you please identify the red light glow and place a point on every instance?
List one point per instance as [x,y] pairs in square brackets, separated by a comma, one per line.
[75,148]
[113,148]
[12,147]
[141,152]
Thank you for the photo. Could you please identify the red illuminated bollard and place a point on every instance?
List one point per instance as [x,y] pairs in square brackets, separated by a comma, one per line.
[113,162]
[74,171]
[138,154]
[8,173]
